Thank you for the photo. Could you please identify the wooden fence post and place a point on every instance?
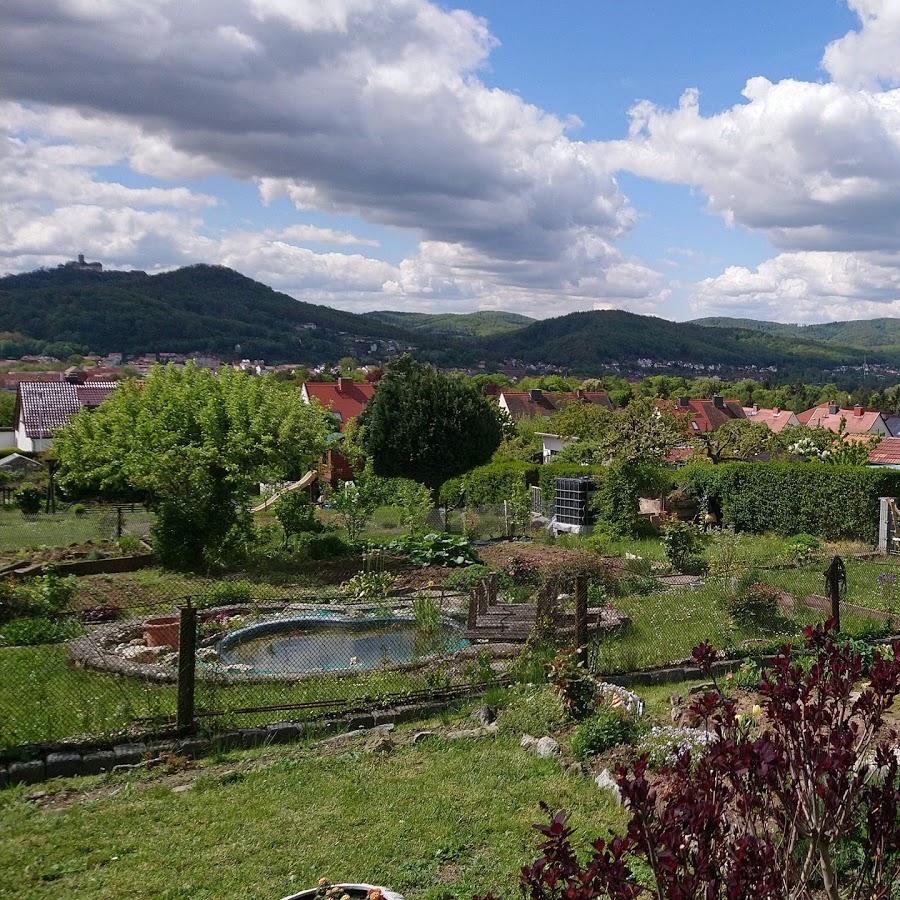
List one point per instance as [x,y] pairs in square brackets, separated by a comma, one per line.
[187,667]
[836,580]
[492,589]
[472,621]
[581,615]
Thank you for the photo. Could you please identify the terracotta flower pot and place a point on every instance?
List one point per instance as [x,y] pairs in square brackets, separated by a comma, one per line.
[356,892]
[162,631]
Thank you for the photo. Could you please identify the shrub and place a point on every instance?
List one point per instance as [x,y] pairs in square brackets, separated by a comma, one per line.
[29,500]
[435,550]
[757,605]
[79,510]
[129,544]
[415,504]
[466,579]
[48,594]
[491,484]
[327,545]
[295,514]
[826,501]
[805,808]
[572,683]
[605,729]
[368,587]
[682,542]
[38,630]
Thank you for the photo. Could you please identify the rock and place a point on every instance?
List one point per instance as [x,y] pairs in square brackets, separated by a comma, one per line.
[575,768]
[142,654]
[620,697]
[207,654]
[545,747]
[422,735]
[181,788]
[484,715]
[606,782]
[348,736]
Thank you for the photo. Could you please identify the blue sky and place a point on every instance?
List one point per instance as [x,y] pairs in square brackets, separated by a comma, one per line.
[677,158]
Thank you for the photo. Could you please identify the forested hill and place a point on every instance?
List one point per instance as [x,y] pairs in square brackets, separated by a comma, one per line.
[865,334]
[583,341]
[476,324]
[206,308]
[218,310]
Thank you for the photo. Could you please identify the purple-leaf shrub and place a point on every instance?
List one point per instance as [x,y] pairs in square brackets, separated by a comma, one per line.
[769,808]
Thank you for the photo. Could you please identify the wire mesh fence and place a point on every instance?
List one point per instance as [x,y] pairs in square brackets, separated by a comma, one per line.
[266,655]
[70,525]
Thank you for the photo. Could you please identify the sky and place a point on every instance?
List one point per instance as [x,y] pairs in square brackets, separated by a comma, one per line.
[678,158]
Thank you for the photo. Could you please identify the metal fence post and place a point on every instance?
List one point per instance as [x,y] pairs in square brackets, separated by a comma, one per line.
[581,615]
[836,581]
[187,667]
[120,522]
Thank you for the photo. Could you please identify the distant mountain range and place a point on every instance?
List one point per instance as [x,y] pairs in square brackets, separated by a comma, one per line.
[865,334]
[217,310]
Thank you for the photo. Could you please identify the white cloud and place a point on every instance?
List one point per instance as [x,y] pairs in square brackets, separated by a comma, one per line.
[374,109]
[806,287]
[870,56]
[315,234]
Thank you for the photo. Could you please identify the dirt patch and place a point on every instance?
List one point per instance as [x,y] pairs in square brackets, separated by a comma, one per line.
[547,559]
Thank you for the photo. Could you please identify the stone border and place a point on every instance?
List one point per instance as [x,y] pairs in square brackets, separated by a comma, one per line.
[94,649]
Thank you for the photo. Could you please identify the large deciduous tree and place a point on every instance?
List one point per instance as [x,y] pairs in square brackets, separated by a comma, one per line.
[193,444]
[425,426]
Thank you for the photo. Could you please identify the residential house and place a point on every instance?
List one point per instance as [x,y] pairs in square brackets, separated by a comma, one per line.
[43,407]
[858,420]
[527,404]
[886,454]
[707,414]
[774,419]
[346,400]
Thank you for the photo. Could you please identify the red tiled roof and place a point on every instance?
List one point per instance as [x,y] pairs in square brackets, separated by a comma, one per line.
[858,420]
[679,454]
[704,415]
[525,404]
[775,419]
[45,406]
[344,397]
[11,380]
[887,453]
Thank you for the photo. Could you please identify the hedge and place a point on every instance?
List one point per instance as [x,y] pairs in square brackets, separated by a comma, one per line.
[491,484]
[791,497]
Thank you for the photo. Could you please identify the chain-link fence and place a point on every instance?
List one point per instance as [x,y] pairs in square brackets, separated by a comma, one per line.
[69,525]
[234,654]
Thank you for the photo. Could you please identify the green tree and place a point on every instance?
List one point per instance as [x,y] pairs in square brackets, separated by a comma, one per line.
[640,434]
[193,444]
[7,409]
[426,426]
[736,440]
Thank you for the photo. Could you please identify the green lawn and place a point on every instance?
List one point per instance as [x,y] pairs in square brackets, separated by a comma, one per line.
[19,532]
[43,698]
[434,821]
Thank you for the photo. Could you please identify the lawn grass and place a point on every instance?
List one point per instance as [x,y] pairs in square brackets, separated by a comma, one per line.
[20,532]
[44,698]
[435,821]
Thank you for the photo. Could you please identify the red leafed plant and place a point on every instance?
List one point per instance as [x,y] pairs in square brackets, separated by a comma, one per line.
[805,805]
